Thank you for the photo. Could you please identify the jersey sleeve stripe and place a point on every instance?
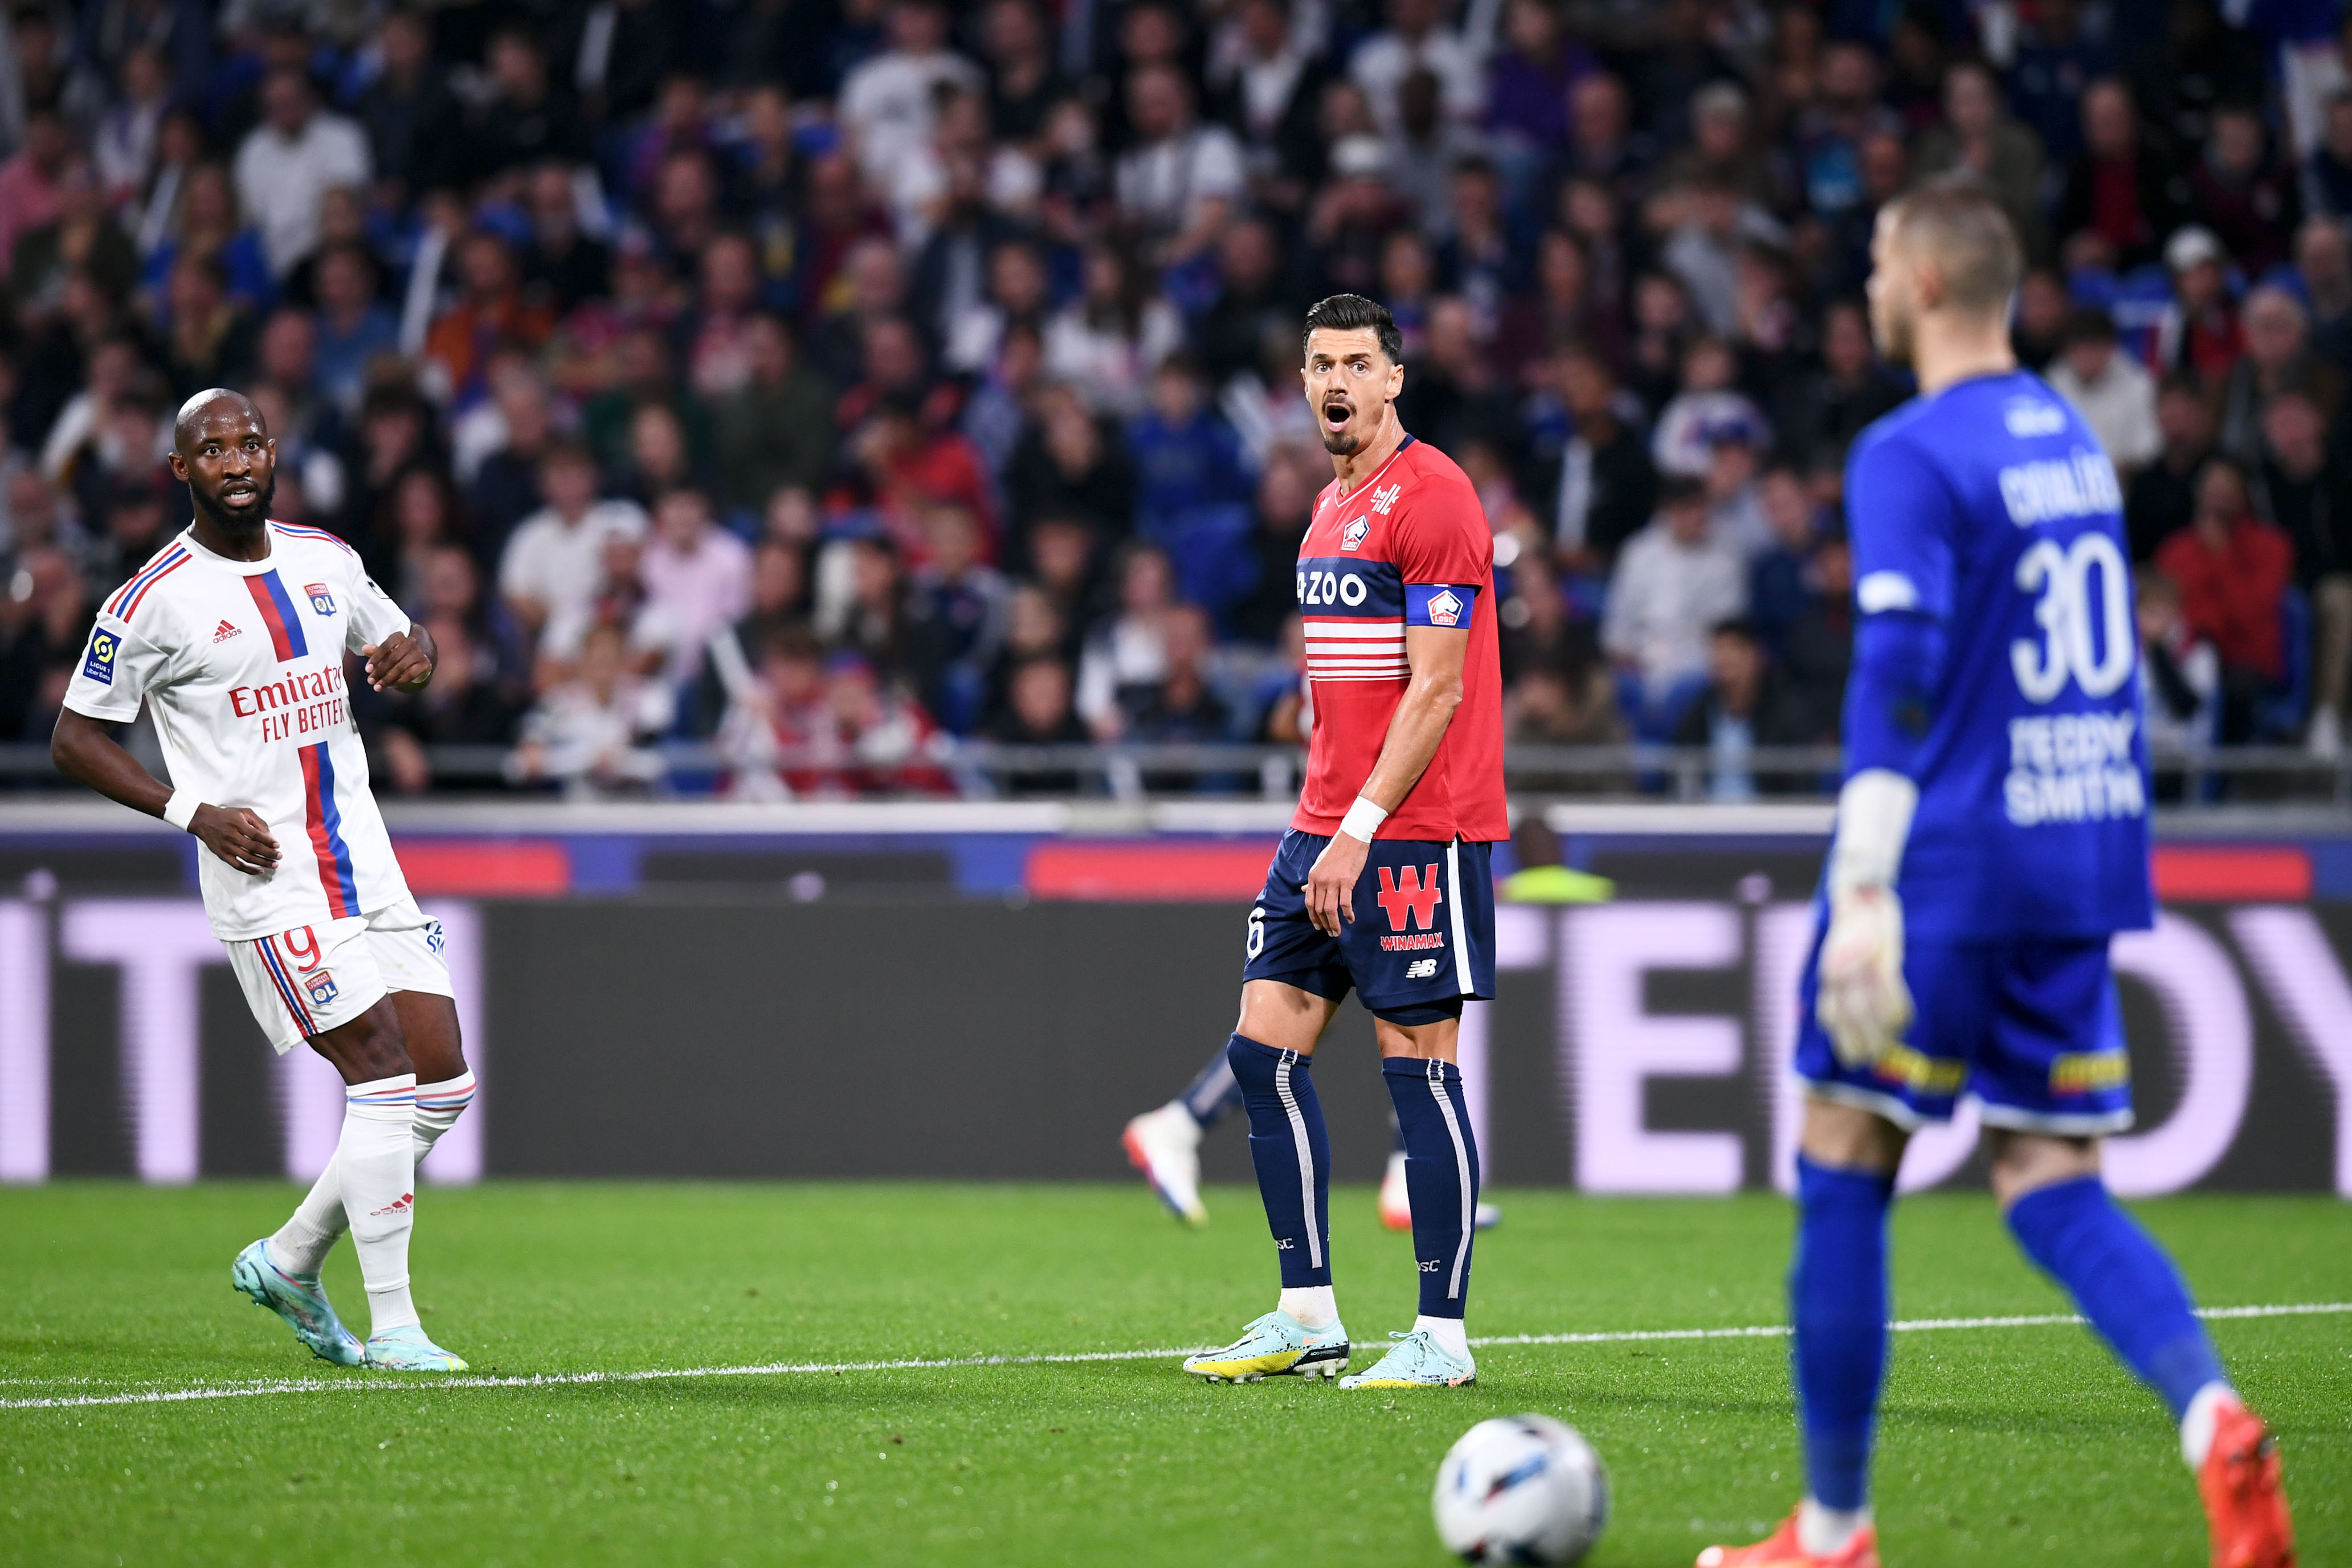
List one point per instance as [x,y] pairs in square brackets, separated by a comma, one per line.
[325,822]
[286,992]
[295,531]
[126,603]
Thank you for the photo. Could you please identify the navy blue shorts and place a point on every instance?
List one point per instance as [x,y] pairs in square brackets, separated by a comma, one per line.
[1421,941]
[2029,1028]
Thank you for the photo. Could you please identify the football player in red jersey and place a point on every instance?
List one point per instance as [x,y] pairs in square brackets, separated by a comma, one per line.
[1382,883]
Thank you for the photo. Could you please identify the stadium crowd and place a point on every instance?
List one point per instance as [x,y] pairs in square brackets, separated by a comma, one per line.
[814,379]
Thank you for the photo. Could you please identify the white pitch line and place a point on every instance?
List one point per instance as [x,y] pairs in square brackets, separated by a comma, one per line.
[260,1387]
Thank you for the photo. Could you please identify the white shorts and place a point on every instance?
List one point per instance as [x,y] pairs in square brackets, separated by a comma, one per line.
[312,979]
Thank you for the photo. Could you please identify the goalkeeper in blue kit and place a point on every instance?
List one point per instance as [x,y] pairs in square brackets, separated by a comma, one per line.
[1992,836]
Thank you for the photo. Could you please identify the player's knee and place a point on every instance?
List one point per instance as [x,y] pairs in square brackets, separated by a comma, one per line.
[2023,1162]
[370,1046]
[1848,1138]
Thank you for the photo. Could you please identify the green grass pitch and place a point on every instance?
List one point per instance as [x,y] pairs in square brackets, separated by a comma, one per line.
[2009,1445]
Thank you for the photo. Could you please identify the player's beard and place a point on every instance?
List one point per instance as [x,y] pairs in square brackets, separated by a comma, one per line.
[237,522]
[1343,442]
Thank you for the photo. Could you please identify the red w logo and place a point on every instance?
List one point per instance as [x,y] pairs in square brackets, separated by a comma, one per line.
[1405,891]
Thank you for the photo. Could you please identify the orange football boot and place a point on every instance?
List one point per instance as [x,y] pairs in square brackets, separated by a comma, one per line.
[1781,1549]
[2245,1506]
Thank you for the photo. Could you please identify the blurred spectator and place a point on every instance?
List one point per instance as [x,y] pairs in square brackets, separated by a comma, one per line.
[490,309]
[2043,310]
[2199,333]
[2245,196]
[2114,395]
[289,161]
[1038,713]
[2327,168]
[697,578]
[1817,643]
[865,604]
[352,326]
[1674,581]
[28,180]
[45,618]
[1743,707]
[2301,486]
[206,223]
[1825,410]
[2121,188]
[1069,465]
[2232,568]
[2161,498]
[407,112]
[2279,358]
[592,734]
[525,119]
[462,707]
[888,104]
[1284,504]
[1606,487]
[563,267]
[1708,411]
[554,566]
[2183,673]
[2195,64]
[81,236]
[1182,705]
[771,431]
[1978,137]
[1417,39]
[775,706]
[960,605]
[1127,652]
[1777,586]
[209,340]
[1186,458]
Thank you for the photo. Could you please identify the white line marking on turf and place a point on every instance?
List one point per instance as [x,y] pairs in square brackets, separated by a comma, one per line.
[259,1387]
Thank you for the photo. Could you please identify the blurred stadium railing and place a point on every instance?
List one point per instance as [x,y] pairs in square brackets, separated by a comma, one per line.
[2185,778]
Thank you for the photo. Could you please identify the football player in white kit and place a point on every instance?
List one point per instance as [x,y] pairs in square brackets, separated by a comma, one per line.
[235,635]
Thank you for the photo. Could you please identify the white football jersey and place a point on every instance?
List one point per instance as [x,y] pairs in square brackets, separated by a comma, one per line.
[241,663]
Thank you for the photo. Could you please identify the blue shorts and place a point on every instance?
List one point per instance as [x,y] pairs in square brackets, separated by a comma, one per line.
[1421,941]
[2029,1028]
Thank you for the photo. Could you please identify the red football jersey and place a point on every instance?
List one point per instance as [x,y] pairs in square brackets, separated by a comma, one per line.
[1410,546]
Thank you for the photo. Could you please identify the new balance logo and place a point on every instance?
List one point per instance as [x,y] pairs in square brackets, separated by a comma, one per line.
[223,632]
[401,1204]
[1421,969]
[1386,498]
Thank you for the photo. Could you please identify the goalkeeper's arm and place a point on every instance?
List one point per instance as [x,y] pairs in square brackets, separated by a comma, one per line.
[1898,668]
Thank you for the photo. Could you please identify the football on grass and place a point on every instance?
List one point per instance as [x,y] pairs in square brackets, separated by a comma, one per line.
[1521,1489]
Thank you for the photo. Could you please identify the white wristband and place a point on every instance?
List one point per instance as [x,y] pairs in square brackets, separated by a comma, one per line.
[1874,823]
[180,808]
[1363,820]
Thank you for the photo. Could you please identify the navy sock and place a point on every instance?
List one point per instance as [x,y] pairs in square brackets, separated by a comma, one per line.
[1292,1154]
[1214,1093]
[1837,1300]
[1441,1173]
[2123,1282]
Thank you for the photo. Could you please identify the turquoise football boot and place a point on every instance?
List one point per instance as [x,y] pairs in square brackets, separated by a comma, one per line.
[407,1349]
[1416,1361]
[298,1298]
[1276,1345]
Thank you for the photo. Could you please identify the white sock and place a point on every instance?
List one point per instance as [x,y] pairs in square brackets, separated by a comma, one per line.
[1312,1305]
[377,1162]
[302,1242]
[1822,1530]
[2197,1423]
[1449,1333]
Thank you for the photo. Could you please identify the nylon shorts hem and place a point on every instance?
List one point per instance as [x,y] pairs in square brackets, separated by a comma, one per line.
[1314,981]
[2010,1118]
[1887,1107]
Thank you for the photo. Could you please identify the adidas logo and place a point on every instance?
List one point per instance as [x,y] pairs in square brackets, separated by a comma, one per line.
[401,1204]
[223,632]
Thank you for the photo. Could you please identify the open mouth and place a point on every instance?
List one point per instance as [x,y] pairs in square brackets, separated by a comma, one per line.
[238,491]
[1336,416]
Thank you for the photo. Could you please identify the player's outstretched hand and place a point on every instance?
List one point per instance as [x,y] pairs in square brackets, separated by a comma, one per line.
[1331,885]
[1864,1005]
[236,836]
[399,662]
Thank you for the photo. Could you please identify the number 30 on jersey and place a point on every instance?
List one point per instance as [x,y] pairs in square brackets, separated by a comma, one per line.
[2085,611]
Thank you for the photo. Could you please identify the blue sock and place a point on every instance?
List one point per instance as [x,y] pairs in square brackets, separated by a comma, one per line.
[1837,1300]
[2123,1282]
[1441,1173]
[1292,1154]
[1214,1094]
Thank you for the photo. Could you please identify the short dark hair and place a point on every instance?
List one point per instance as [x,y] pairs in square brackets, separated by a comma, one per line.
[1351,313]
[1970,234]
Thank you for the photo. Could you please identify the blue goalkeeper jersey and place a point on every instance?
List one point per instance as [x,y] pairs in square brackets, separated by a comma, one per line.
[1992,580]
